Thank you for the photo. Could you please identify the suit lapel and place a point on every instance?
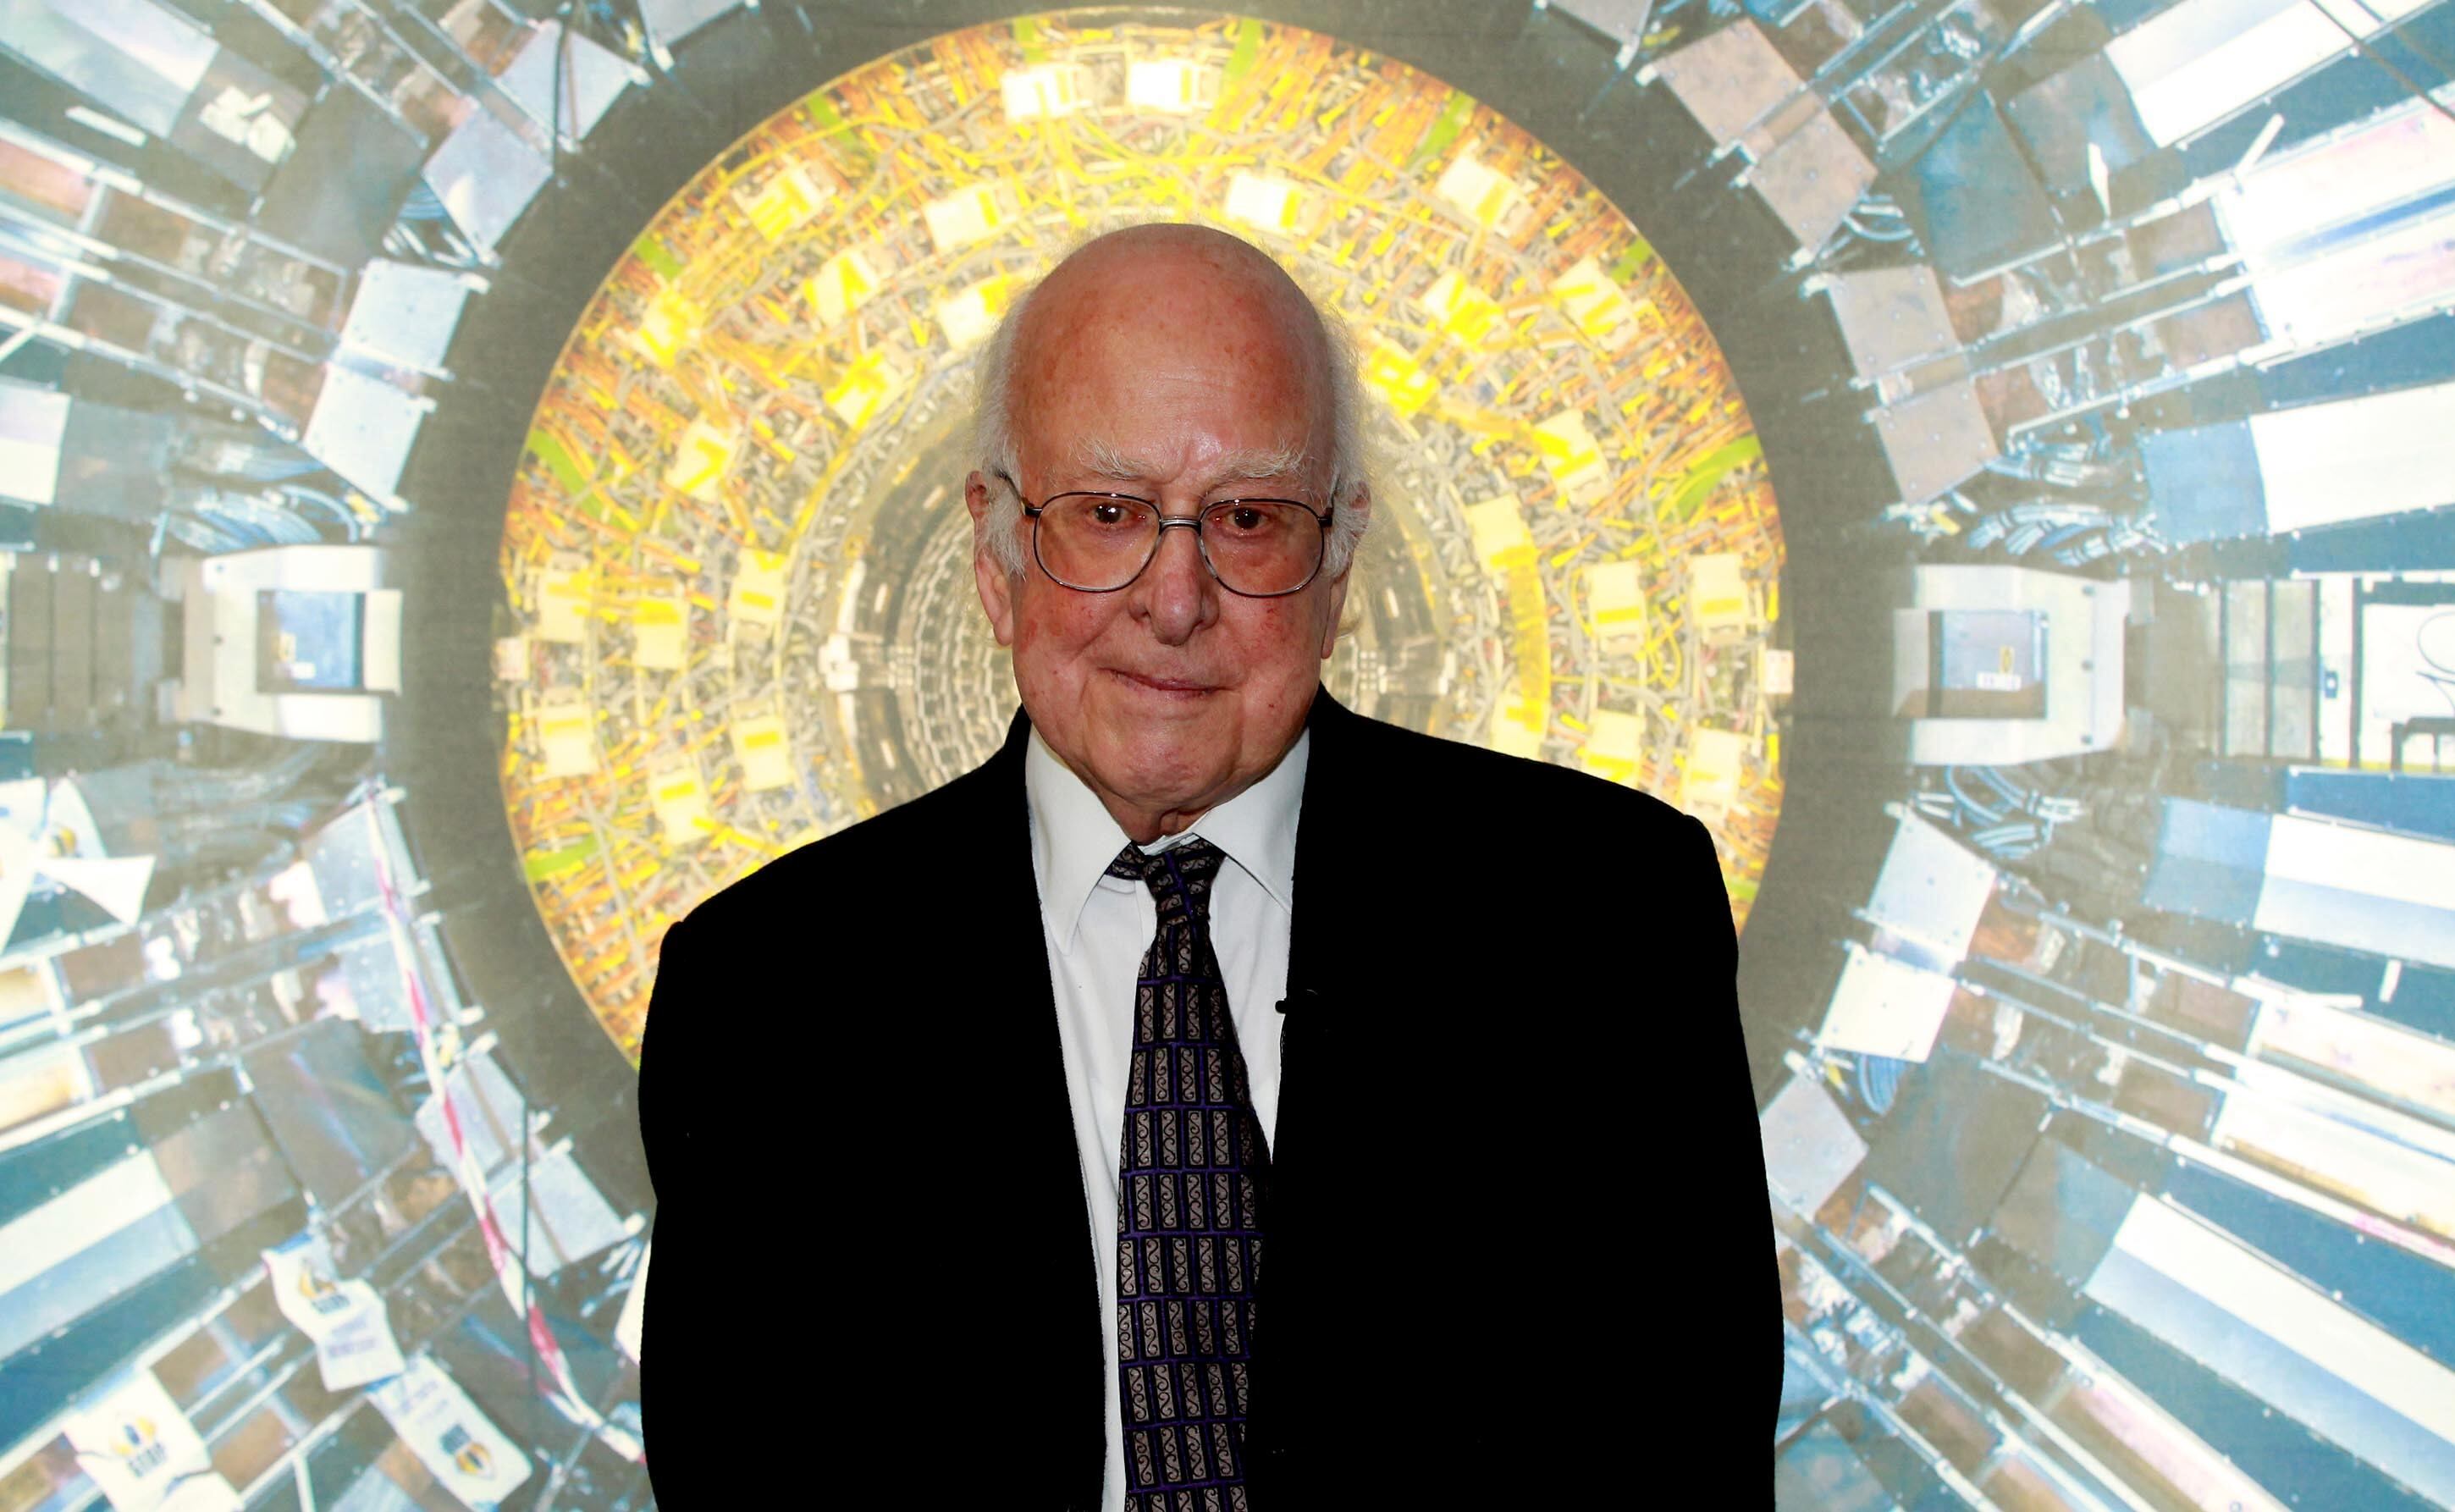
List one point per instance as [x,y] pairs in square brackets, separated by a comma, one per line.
[997,825]
[1325,849]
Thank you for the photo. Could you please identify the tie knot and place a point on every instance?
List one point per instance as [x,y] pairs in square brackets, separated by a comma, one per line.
[1178,877]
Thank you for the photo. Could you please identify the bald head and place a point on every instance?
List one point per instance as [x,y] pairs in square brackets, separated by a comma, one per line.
[1163,287]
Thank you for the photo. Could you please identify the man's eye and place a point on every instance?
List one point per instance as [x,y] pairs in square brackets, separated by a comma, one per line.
[1106,514]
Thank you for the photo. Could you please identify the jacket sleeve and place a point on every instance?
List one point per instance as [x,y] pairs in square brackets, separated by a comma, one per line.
[676,1331]
[1746,1282]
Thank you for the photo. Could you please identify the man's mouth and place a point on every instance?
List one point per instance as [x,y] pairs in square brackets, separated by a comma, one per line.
[1164,684]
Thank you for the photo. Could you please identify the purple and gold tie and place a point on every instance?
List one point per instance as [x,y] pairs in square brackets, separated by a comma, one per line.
[1194,1174]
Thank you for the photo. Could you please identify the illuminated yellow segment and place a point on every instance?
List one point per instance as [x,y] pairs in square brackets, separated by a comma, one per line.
[969,317]
[765,755]
[1480,193]
[1044,92]
[786,204]
[668,324]
[567,732]
[1263,202]
[1596,306]
[1616,605]
[660,631]
[1170,86]
[1709,780]
[1517,728]
[1571,457]
[1717,593]
[1398,378]
[842,285]
[758,588]
[1506,550]
[1614,746]
[700,457]
[867,386]
[562,604]
[681,801]
[1498,526]
[1458,308]
[962,218]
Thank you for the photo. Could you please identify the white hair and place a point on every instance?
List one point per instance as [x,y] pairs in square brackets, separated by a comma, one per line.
[993,446]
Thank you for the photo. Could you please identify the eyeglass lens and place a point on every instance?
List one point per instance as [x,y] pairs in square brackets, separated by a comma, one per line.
[1254,546]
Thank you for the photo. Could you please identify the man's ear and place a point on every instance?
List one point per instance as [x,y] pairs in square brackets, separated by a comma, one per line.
[997,589]
[1361,504]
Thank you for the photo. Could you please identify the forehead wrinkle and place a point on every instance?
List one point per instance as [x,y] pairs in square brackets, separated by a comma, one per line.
[1095,456]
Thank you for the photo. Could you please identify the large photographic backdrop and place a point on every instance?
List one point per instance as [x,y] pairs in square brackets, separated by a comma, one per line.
[481,476]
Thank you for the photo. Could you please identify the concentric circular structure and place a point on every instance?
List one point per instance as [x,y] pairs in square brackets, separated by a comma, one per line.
[737,548]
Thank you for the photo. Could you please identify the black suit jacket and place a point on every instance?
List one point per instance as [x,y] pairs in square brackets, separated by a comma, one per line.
[1518,1232]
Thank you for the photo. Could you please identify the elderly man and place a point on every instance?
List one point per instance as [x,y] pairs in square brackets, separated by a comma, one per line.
[1252,1103]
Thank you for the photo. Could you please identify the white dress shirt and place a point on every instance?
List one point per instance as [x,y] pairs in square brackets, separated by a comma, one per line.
[1097,928]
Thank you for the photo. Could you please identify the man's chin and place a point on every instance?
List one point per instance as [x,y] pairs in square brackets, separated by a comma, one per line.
[1163,777]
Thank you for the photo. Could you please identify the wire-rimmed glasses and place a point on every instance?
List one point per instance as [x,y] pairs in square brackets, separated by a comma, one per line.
[1099,543]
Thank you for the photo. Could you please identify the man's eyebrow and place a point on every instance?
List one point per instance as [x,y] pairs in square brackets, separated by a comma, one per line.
[1100,460]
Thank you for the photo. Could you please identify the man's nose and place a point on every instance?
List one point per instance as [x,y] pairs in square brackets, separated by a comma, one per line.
[1179,595]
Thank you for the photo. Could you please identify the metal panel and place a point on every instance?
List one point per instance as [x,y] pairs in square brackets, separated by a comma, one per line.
[120,1259]
[1891,317]
[1953,1142]
[32,425]
[343,855]
[369,967]
[1978,207]
[141,60]
[2296,202]
[2229,1307]
[1623,21]
[344,182]
[1728,79]
[669,21]
[331,1115]
[1810,1148]
[2417,805]
[1932,890]
[1885,1006]
[2205,483]
[569,1219]
[81,1215]
[362,429]
[488,1108]
[406,314]
[2322,464]
[485,175]
[1811,181]
[1820,1470]
[34,1175]
[223,1170]
[592,80]
[2359,888]
[2062,1211]
[2408,1295]
[1936,440]
[2210,861]
[2084,105]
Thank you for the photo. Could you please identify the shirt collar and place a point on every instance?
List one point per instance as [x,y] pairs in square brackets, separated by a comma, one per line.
[1074,837]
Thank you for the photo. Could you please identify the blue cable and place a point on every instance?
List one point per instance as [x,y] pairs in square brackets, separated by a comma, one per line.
[1985,813]
[1879,1081]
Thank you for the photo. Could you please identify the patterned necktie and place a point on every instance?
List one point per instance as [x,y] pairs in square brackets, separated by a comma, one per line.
[1195,1173]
